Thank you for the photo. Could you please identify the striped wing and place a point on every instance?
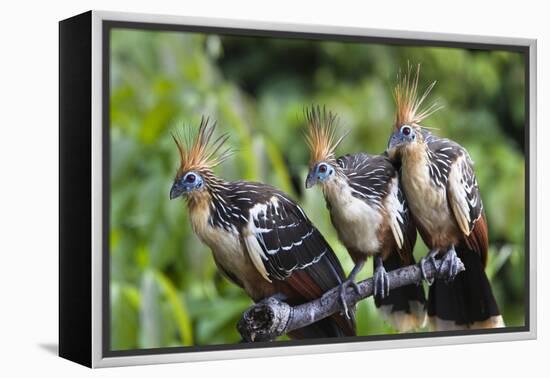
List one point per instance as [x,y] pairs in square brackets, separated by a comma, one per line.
[452,168]
[375,180]
[288,251]
[368,176]
[463,194]
[465,201]
[402,223]
[282,240]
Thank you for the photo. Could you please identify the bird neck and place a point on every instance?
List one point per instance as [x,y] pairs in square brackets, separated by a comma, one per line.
[201,201]
[414,156]
[415,174]
[198,201]
[334,189]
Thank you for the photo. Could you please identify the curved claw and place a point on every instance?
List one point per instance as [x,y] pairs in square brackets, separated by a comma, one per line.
[343,287]
[343,303]
[349,282]
[449,266]
[431,259]
[381,282]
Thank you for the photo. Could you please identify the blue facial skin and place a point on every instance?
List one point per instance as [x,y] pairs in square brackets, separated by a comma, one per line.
[405,134]
[187,183]
[320,173]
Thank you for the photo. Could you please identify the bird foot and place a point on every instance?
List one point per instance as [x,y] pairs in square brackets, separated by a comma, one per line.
[343,287]
[430,258]
[381,282]
[449,266]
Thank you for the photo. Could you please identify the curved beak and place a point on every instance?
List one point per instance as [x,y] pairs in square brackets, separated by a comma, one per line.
[176,190]
[311,180]
[394,141]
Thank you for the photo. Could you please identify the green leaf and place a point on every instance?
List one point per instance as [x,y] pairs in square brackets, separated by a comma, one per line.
[178,308]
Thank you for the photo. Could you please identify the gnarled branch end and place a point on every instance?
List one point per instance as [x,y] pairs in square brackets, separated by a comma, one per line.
[271,317]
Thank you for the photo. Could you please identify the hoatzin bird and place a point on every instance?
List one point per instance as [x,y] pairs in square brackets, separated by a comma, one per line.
[260,238]
[370,215]
[439,183]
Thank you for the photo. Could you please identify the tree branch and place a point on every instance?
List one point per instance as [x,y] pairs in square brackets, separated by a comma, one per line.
[271,317]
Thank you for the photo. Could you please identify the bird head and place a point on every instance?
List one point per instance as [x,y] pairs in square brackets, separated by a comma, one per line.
[400,138]
[407,130]
[198,156]
[322,142]
[189,182]
[320,173]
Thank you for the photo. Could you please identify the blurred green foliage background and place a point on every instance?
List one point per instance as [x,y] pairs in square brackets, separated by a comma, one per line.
[164,287]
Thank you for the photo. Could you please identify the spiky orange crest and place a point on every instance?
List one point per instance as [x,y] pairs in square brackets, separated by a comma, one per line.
[198,152]
[321,134]
[407,101]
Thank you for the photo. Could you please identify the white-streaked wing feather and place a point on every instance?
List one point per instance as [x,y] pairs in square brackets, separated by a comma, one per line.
[253,247]
[395,209]
[458,197]
[256,254]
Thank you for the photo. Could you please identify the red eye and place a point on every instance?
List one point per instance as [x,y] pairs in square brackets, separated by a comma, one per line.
[322,168]
[190,178]
[406,130]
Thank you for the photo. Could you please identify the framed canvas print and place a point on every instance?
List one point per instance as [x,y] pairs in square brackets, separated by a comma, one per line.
[234,189]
